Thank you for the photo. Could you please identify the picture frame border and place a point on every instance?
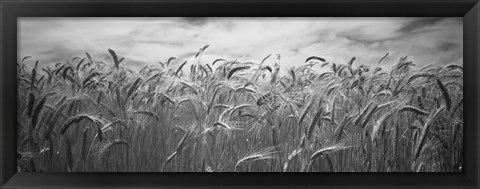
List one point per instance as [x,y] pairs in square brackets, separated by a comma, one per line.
[12,9]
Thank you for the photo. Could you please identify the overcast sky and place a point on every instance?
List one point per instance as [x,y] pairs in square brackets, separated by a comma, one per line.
[149,40]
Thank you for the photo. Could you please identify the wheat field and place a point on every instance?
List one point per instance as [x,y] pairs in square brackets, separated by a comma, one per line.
[86,115]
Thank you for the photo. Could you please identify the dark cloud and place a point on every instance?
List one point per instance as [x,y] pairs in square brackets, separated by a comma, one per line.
[196,21]
[153,28]
[406,30]
[418,24]
[160,42]
[447,46]
[295,50]
[367,42]
[355,36]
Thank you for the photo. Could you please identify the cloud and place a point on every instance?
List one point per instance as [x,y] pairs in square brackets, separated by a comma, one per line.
[149,40]
[160,42]
[447,46]
[196,21]
[418,24]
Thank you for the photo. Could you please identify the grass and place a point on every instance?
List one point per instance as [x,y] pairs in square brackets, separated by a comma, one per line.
[86,115]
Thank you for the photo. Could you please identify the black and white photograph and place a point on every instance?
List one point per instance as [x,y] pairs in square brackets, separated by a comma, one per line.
[240,94]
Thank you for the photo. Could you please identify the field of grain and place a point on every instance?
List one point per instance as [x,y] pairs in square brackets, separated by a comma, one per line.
[85,115]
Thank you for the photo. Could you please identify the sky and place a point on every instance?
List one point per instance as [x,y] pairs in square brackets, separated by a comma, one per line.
[146,41]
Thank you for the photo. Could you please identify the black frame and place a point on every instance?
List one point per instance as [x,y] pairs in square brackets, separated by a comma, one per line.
[11,9]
